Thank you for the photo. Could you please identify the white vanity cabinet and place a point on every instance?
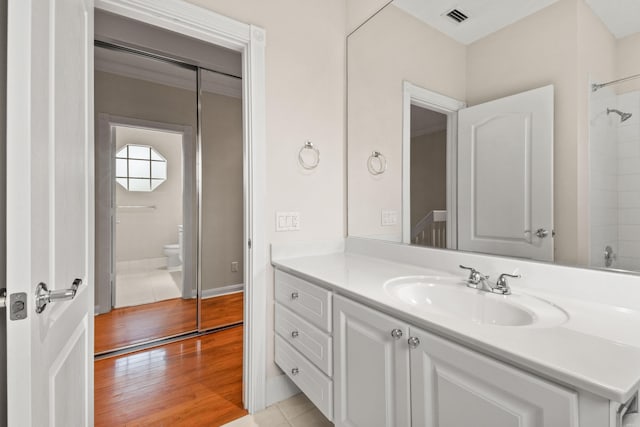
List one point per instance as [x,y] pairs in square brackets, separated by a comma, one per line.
[303,342]
[454,386]
[364,368]
[388,373]
[371,367]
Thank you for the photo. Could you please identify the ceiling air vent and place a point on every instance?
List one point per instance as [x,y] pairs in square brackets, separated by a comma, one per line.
[457,15]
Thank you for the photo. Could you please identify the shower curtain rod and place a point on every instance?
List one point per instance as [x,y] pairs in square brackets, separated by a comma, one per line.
[596,86]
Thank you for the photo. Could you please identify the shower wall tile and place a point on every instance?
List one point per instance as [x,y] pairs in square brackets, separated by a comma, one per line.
[629,165]
[628,149]
[629,233]
[629,199]
[603,184]
[627,133]
[629,216]
[628,182]
[628,263]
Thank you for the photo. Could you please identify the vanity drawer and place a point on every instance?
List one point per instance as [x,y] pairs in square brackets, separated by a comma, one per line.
[314,344]
[313,383]
[311,302]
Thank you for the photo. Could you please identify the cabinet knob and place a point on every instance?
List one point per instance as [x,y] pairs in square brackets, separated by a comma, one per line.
[294,295]
[414,342]
[295,334]
[295,371]
[396,333]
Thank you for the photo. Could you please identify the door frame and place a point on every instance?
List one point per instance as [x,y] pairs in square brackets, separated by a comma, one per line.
[105,157]
[424,98]
[203,24]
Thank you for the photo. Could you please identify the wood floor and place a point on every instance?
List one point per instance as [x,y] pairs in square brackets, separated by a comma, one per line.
[127,326]
[137,324]
[221,311]
[194,382]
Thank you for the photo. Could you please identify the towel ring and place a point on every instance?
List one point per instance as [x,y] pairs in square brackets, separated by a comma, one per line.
[381,166]
[316,154]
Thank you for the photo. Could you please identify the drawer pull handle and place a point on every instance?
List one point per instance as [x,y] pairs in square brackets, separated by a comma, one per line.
[396,333]
[295,334]
[294,295]
[295,371]
[414,342]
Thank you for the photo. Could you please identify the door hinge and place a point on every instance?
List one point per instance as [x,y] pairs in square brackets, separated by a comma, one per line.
[3,298]
[249,243]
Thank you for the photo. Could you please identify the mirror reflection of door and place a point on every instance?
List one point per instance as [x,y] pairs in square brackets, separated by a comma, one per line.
[505,176]
[428,174]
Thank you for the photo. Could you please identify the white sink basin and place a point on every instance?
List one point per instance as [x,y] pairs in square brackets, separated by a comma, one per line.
[451,296]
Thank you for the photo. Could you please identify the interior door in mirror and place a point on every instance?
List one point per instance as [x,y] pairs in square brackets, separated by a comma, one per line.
[505,176]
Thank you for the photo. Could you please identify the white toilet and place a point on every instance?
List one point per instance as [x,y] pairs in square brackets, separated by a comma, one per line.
[173,252]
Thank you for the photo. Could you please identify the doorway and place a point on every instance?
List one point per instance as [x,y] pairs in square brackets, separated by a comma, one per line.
[428,188]
[429,169]
[170,199]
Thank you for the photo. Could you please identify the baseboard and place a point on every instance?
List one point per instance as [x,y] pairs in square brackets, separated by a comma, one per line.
[216,292]
[280,388]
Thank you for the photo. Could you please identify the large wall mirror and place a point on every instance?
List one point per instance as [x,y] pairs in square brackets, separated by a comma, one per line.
[506,127]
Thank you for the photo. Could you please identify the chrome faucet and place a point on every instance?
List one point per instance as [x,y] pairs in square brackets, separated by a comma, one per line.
[481,282]
[477,280]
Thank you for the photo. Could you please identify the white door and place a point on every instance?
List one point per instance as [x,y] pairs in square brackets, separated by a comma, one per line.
[371,367]
[452,386]
[50,211]
[505,176]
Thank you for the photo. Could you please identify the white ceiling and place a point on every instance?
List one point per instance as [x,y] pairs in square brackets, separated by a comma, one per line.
[485,16]
[622,17]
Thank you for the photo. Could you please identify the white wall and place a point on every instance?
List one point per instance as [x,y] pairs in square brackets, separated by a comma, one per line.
[628,62]
[392,47]
[305,87]
[358,11]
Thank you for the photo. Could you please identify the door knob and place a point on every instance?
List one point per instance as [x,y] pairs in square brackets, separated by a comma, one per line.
[396,333]
[542,233]
[44,296]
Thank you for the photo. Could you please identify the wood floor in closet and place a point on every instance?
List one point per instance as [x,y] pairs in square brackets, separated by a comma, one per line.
[137,324]
[193,382]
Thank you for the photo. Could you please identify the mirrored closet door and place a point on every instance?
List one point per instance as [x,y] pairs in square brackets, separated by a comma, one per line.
[169,186]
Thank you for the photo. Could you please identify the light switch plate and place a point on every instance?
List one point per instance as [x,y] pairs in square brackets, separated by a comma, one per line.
[389,217]
[287,221]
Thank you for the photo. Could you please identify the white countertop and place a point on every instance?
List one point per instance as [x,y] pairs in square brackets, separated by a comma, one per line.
[596,350]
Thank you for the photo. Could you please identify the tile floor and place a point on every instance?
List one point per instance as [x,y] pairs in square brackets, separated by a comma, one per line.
[296,411]
[146,283]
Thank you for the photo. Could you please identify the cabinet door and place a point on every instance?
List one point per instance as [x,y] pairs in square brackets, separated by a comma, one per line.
[371,368]
[452,386]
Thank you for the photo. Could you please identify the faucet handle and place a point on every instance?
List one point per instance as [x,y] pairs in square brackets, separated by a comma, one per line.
[475,276]
[502,286]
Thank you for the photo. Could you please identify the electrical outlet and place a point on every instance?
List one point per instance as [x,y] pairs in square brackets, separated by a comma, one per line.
[389,217]
[234,267]
[287,221]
